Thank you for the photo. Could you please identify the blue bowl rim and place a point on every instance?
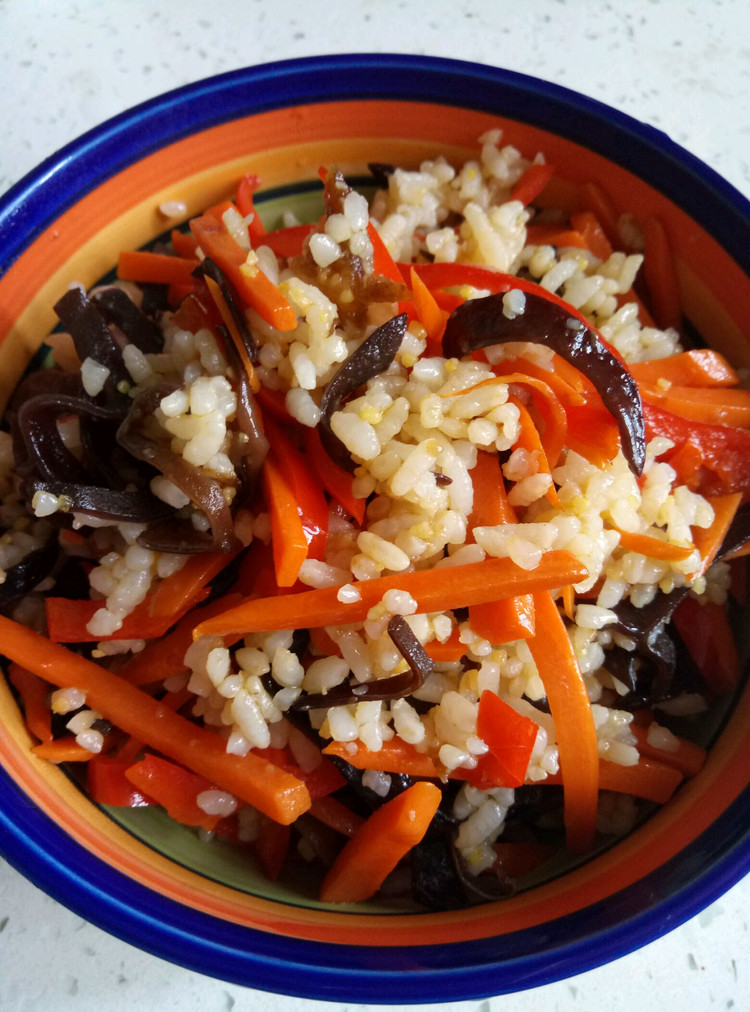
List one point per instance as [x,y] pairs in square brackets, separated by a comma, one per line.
[46,855]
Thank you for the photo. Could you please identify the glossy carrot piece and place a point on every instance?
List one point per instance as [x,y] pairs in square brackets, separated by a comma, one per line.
[380,843]
[699,367]
[688,757]
[509,736]
[271,790]
[554,235]
[660,275]
[433,590]
[571,711]
[714,405]
[394,756]
[429,314]
[182,589]
[383,262]
[708,540]
[63,750]
[34,694]
[530,441]
[287,532]
[67,620]
[594,236]
[174,788]
[654,548]
[155,268]
[532,182]
[334,479]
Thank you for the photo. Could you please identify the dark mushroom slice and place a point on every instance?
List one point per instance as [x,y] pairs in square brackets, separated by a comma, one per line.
[117,307]
[91,335]
[21,579]
[481,322]
[114,505]
[204,492]
[373,357]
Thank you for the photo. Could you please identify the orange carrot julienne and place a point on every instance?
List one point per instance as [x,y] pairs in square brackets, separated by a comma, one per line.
[654,548]
[275,792]
[63,750]
[252,285]
[648,779]
[288,539]
[594,198]
[155,268]
[184,244]
[715,405]
[569,384]
[334,479]
[554,235]
[687,757]
[708,540]
[451,650]
[571,711]
[34,693]
[699,367]
[165,657]
[433,590]
[530,441]
[379,844]
[68,618]
[383,262]
[532,182]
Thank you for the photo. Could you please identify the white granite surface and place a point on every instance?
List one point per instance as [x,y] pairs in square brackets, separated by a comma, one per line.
[683,66]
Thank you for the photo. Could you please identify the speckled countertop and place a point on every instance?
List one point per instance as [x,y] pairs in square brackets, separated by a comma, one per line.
[684,67]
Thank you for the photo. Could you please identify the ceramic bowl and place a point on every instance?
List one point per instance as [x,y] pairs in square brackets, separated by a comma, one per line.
[155,885]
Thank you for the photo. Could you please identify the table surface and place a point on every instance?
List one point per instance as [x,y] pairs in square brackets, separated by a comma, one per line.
[683,67]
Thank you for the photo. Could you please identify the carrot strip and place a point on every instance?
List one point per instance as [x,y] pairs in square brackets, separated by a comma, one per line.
[379,844]
[67,620]
[699,367]
[660,275]
[287,242]
[648,779]
[165,657]
[532,182]
[229,322]
[569,384]
[180,590]
[490,505]
[429,314]
[155,268]
[571,711]
[594,236]
[600,204]
[253,286]
[248,187]
[62,750]
[452,650]
[35,695]
[530,441]
[708,540]
[552,411]
[434,590]
[184,244]
[592,433]
[654,548]
[287,532]
[569,600]
[394,756]
[278,794]
[688,757]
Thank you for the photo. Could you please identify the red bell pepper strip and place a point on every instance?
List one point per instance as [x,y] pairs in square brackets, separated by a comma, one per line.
[184,244]
[509,736]
[272,847]
[174,788]
[155,268]
[593,234]
[660,275]
[288,537]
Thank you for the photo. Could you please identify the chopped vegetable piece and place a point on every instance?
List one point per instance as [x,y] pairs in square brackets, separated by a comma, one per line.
[509,736]
[434,590]
[107,783]
[174,788]
[281,796]
[379,844]
[571,711]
